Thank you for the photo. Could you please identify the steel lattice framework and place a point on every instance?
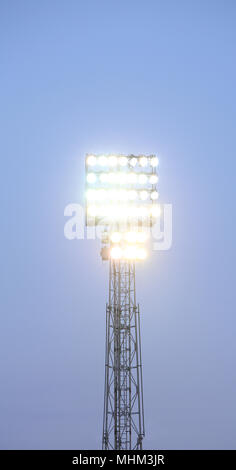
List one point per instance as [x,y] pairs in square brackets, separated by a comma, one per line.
[121,198]
[123,421]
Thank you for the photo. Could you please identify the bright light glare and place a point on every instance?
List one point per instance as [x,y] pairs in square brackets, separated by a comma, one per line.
[121,178]
[154,195]
[123,161]
[136,237]
[141,253]
[155,210]
[101,194]
[116,252]
[104,177]
[143,161]
[133,252]
[123,195]
[142,179]
[130,252]
[91,178]
[133,195]
[141,237]
[133,161]
[130,237]
[112,160]
[154,161]
[115,211]
[102,160]
[131,178]
[91,194]
[111,178]
[143,195]
[91,160]
[113,194]
[141,212]
[116,237]
[153,179]
[92,211]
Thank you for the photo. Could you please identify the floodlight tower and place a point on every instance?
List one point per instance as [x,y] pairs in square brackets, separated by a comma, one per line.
[121,197]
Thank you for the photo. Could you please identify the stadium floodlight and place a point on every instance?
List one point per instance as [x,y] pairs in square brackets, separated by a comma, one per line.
[123,161]
[142,178]
[153,179]
[121,197]
[133,161]
[143,161]
[154,161]
[154,195]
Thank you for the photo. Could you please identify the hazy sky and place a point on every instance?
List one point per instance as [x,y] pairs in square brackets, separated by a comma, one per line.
[128,76]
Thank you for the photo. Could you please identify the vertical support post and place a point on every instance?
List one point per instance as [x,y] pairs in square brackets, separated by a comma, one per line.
[123,420]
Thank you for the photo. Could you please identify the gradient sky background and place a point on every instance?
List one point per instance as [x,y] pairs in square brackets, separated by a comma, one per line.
[130,77]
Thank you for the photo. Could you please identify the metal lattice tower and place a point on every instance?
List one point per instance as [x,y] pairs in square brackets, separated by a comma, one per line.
[121,197]
[123,422]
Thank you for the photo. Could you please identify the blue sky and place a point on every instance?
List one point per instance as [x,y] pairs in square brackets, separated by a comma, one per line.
[128,77]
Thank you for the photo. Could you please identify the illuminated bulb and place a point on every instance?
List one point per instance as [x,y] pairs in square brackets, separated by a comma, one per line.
[91,177]
[142,179]
[101,194]
[141,253]
[154,161]
[153,179]
[141,237]
[91,160]
[102,160]
[143,195]
[112,160]
[142,212]
[116,252]
[113,194]
[116,237]
[111,178]
[130,252]
[133,161]
[121,178]
[91,194]
[155,210]
[143,161]
[130,237]
[123,161]
[107,211]
[118,212]
[103,177]
[123,195]
[132,195]
[154,195]
[131,178]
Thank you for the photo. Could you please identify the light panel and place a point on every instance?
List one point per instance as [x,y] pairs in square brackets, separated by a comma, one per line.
[121,195]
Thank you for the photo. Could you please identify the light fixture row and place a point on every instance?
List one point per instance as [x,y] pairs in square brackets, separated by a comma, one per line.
[129,237]
[121,195]
[121,160]
[117,212]
[121,178]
